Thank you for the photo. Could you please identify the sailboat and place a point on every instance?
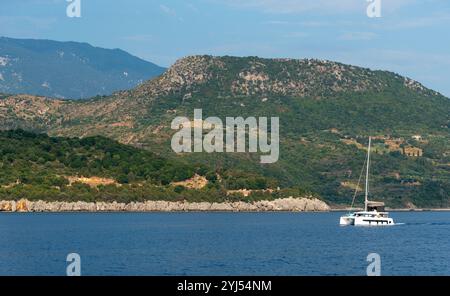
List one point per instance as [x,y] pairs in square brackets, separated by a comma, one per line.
[374,213]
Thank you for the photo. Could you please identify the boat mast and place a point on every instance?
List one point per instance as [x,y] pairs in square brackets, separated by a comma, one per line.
[367,175]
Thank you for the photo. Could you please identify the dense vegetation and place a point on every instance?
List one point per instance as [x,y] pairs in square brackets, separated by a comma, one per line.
[34,158]
[36,166]
[332,110]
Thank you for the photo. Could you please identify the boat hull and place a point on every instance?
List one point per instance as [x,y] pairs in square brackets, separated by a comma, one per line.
[372,218]
[373,221]
[347,220]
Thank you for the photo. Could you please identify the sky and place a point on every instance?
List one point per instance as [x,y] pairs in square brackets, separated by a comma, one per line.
[412,37]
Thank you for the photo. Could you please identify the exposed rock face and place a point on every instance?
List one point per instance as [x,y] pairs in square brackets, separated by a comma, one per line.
[7,206]
[252,76]
[196,182]
[410,205]
[284,204]
[29,111]
[22,206]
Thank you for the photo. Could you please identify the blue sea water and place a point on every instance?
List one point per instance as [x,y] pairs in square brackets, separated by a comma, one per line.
[221,244]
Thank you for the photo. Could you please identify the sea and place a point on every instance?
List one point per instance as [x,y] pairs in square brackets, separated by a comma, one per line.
[221,244]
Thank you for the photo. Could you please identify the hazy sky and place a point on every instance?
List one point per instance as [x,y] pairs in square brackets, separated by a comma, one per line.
[411,38]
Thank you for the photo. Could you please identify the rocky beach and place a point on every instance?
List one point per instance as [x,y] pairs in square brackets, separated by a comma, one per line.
[284,204]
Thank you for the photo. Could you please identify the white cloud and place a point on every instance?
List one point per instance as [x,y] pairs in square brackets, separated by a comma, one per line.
[300,23]
[34,22]
[325,6]
[167,10]
[296,35]
[355,36]
[138,38]
[170,12]
[420,22]
[192,7]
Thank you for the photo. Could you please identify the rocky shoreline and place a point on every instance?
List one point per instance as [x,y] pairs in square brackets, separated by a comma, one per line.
[283,204]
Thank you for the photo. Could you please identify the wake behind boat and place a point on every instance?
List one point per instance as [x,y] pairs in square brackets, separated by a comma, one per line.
[373,214]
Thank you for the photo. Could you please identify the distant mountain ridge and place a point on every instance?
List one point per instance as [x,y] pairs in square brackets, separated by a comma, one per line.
[68,69]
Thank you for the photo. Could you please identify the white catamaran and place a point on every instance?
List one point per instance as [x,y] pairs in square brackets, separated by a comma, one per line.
[373,214]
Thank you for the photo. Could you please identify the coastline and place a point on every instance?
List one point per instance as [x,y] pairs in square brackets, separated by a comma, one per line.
[279,205]
[394,209]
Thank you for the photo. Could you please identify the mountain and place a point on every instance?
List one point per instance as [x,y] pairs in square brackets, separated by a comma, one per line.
[68,69]
[327,110]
